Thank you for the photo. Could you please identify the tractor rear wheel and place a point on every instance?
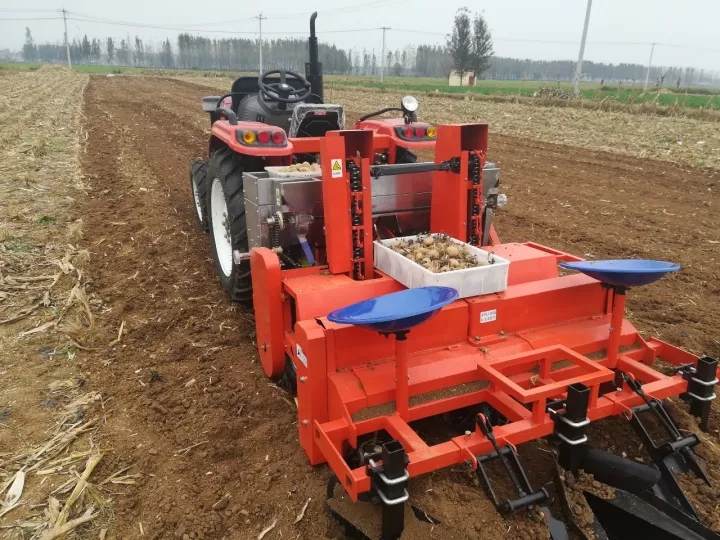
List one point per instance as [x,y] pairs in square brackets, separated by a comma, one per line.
[226,224]
[199,188]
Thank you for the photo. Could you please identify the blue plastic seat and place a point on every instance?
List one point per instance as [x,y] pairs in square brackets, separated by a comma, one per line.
[623,272]
[396,312]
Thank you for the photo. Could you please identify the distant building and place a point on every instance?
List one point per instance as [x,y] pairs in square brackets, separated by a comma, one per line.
[468,79]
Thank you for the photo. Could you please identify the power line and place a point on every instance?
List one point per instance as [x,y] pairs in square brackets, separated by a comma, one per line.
[692,47]
[29,10]
[342,10]
[106,20]
[338,11]
[566,42]
[200,30]
[175,29]
[197,27]
[30,18]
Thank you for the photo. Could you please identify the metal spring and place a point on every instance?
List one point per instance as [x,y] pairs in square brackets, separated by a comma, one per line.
[475,206]
[275,235]
[355,180]
[474,175]
[474,167]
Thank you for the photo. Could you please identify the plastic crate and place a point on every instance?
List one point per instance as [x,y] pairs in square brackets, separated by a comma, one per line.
[468,282]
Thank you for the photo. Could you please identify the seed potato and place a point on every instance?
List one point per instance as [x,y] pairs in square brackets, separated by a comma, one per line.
[438,253]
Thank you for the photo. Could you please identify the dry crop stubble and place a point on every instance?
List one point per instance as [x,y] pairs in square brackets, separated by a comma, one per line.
[49,422]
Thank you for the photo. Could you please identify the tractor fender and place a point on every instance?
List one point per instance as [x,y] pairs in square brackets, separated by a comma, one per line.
[225,134]
[386,126]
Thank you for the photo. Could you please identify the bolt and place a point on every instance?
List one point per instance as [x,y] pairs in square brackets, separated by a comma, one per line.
[264,347]
[619,389]
[502,334]
[305,422]
[303,378]
[467,434]
[477,338]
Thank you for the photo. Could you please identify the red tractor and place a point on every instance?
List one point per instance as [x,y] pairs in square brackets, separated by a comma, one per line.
[301,212]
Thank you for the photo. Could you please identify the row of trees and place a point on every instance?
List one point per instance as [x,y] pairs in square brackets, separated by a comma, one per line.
[126,52]
[195,52]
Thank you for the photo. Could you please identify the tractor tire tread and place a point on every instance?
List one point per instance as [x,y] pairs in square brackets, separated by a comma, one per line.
[198,172]
[228,167]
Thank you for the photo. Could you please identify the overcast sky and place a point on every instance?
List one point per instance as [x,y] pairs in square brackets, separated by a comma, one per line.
[691,25]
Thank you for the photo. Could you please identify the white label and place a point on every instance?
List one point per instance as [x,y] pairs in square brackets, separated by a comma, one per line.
[488,316]
[301,355]
[337,168]
[278,198]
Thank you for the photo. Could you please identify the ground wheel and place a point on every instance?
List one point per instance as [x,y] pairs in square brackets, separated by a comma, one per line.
[199,189]
[226,223]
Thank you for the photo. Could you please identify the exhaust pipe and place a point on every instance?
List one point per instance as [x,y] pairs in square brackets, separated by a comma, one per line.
[313,69]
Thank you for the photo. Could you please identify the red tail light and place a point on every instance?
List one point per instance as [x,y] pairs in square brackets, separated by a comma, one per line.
[420,132]
[278,137]
[408,132]
[263,137]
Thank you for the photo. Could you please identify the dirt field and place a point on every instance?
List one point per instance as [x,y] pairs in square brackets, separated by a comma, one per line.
[210,442]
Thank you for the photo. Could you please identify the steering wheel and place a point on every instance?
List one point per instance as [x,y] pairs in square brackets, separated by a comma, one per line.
[281,91]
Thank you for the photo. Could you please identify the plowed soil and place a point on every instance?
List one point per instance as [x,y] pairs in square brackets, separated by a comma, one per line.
[186,400]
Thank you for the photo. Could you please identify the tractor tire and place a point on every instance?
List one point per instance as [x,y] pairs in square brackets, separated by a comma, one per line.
[226,224]
[199,189]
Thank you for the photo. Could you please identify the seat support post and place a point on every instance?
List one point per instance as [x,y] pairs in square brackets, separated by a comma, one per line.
[402,391]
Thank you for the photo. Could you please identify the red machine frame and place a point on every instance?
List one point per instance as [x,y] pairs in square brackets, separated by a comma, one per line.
[514,350]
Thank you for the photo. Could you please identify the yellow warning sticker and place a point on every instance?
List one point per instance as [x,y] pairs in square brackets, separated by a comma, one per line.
[337,168]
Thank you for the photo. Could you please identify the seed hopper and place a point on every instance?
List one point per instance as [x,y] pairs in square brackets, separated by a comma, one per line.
[541,351]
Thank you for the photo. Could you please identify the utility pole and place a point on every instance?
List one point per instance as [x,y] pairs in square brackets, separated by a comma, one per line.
[647,74]
[260,19]
[67,46]
[578,71]
[382,55]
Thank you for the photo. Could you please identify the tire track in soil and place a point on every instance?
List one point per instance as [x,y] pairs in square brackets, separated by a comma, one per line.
[151,266]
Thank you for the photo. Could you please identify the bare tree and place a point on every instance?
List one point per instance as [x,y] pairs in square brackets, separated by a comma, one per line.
[85,48]
[482,49]
[459,43]
[110,46]
[96,50]
[29,49]
[123,52]
[139,51]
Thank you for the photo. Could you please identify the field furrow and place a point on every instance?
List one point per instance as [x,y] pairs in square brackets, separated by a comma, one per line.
[202,444]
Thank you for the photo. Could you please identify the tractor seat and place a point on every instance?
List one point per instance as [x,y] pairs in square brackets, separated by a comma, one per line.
[314,120]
